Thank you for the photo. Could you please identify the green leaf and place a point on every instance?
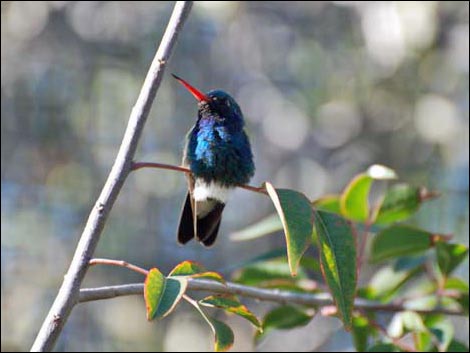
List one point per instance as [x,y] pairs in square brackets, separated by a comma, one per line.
[387,281]
[360,332]
[265,272]
[338,261]
[463,301]
[162,294]
[285,317]
[449,256]
[223,335]
[457,284]
[329,203]
[231,304]
[384,347]
[354,200]
[456,346]
[310,263]
[296,216]
[399,240]
[266,226]
[194,270]
[399,203]
[443,330]
[406,321]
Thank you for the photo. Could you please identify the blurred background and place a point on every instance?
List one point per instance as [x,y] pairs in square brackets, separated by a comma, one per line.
[327,89]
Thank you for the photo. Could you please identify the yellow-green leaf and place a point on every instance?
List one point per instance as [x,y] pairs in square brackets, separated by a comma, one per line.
[231,304]
[187,268]
[162,294]
[354,201]
[296,215]
[329,203]
[361,330]
[195,270]
[456,284]
[214,276]
[338,261]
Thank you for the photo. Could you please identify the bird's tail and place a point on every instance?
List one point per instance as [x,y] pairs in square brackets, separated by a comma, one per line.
[206,227]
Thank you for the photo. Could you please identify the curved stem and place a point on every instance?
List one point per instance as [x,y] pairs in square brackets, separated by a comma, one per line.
[69,291]
[259,190]
[119,263]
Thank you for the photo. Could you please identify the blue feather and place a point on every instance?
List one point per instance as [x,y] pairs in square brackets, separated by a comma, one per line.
[218,148]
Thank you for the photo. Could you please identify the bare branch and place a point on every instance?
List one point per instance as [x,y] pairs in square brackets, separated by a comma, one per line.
[69,291]
[140,165]
[274,295]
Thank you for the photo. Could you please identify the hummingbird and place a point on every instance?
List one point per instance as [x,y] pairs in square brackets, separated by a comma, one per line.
[218,154]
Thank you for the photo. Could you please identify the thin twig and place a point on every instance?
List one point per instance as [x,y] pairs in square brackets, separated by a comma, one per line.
[119,263]
[140,165]
[259,190]
[69,291]
[273,295]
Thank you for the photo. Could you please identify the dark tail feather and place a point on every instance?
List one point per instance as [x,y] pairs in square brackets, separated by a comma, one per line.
[186,228]
[208,226]
[211,238]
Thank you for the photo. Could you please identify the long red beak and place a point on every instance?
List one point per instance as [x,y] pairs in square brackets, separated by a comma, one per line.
[195,92]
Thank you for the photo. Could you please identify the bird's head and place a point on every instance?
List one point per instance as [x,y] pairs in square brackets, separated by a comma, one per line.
[215,104]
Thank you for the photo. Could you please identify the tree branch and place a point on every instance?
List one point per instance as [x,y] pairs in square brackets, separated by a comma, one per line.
[140,165]
[69,291]
[274,295]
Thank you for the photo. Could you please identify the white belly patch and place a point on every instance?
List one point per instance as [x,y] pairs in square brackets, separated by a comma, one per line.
[203,191]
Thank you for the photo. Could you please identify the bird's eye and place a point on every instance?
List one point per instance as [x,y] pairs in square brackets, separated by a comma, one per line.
[214,99]
[227,102]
